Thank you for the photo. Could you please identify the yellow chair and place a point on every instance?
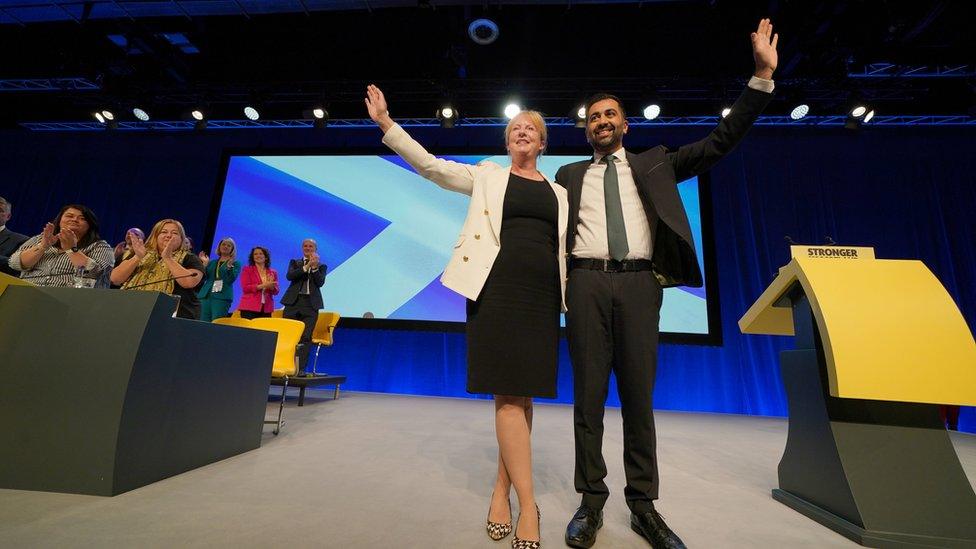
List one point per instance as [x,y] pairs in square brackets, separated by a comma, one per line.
[278,313]
[325,326]
[236,314]
[285,362]
[233,321]
[289,333]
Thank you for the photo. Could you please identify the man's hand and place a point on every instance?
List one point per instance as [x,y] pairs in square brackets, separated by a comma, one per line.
[377,108]
[313,262]
[764,49]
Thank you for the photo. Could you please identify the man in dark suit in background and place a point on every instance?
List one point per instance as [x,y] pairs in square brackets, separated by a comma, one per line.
[629,238]
[303,298]
[9,240]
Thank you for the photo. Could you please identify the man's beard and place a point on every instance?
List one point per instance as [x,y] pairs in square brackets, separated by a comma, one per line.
[605,142]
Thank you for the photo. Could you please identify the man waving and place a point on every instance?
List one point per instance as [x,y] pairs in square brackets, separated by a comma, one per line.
[629,238]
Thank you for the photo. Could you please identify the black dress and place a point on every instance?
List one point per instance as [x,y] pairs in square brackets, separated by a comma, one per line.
[513,327]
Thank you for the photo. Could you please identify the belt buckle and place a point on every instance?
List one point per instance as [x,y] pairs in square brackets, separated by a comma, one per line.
[612,266]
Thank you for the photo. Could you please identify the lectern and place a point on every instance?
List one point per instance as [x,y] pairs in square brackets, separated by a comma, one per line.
[879,344]
[103,391]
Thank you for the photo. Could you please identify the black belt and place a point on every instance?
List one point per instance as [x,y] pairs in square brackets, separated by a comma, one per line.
[611,265]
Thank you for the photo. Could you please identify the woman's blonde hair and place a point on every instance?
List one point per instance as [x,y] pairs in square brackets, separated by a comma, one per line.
[233,246]
[151,243]
[538,120]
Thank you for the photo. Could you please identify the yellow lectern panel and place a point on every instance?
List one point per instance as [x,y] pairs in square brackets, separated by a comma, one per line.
[890,330]
[7,280]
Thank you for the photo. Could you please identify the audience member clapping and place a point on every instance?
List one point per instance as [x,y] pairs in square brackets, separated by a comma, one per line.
[163,264]
[260,284]
[217,291]
[68,252]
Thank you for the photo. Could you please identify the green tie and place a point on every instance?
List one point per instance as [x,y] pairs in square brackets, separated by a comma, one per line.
[616,232]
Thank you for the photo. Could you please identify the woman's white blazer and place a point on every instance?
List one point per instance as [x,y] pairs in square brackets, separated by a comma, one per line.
[479,242]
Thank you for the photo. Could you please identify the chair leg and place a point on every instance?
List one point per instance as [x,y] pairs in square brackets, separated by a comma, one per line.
[301,396]
[281,407]
[335,395]
[315,362]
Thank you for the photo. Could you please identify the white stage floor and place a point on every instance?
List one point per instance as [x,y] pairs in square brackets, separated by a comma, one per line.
[386,471]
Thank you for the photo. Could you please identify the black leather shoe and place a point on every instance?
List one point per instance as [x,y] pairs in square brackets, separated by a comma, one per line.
[581,531]
[651,526]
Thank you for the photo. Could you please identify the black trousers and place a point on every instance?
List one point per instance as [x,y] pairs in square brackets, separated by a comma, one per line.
[306,312]
[612,325]
[254,314]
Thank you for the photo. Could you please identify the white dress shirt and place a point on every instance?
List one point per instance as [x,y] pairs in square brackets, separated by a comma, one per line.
[591,235]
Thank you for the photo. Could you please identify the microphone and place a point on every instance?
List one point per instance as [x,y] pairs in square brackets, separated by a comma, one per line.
[789,240]
[47,275]
[194,274]
[829,241]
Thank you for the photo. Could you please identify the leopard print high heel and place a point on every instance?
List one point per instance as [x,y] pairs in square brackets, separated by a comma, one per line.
[499,530]
[518,543]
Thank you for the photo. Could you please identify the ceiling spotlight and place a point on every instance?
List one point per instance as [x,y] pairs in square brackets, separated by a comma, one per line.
[197,115]
[858,111]
[581,117]
[140,114]
[726,111]
[869,116]
[251,113]
[108,115]
[318,115]
[447,115]
[799,111]
[652,111]
[98,116]
[512,110]
[483,31]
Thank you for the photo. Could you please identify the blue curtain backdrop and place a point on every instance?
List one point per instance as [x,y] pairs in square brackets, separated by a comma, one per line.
[909,192]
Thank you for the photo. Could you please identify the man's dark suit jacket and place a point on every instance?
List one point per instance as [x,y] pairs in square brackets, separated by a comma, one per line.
[298,276]
[9,243]
[657,173]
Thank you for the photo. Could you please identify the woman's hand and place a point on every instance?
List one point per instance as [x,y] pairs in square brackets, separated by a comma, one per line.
[48,238]
[68,239]
[378,110]
[138,246]
[169,247]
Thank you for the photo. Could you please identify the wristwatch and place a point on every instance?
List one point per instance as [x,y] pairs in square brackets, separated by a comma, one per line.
[74,249]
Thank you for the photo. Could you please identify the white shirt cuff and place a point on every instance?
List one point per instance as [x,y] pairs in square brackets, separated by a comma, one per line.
[761,84]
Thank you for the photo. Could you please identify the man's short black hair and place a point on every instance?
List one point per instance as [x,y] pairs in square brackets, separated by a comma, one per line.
[597,97]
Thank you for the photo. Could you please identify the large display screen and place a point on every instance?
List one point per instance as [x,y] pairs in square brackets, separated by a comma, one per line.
[385,232]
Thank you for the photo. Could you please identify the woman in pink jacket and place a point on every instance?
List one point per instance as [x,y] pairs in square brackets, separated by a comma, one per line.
[260,284]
